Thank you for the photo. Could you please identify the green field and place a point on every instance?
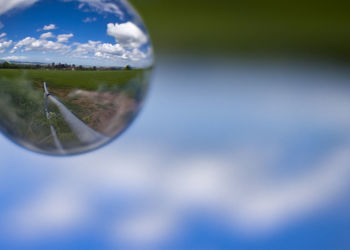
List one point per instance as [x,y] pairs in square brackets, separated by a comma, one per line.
[88,80]
[97,98]
[249,27]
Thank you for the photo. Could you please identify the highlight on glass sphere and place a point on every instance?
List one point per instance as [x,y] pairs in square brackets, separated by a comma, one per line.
[73,73]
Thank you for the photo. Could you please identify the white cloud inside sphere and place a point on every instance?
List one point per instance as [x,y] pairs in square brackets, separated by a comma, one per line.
[41,45]
[127,49]
[8,5]
[49,27]
[64,37]
[47,35]
[101,6]
[14,58]
[128,35]
[90,20]
[5,45]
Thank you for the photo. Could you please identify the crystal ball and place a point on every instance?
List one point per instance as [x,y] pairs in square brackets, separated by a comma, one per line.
[73,73]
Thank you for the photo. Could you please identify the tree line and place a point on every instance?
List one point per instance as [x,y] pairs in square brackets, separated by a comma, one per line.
[59,66]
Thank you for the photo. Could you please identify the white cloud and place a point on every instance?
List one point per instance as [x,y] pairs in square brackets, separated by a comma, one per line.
[273,204]
[14,58]
[101,6]
[85,48]
[8,5]
[107,50]
[137,55]
[32,44]
[4,45]
[47,35]
[129,38]
[49,27]
[249,201]
[64,37]
[90,20]
[99,50]
[23,43]
[2,35]
[128,35]
[52,212]
[145,228]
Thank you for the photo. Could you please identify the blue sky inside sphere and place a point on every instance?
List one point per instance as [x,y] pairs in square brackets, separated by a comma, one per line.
[81,32]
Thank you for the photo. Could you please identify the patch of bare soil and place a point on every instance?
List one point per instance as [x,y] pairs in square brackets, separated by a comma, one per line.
[108,112]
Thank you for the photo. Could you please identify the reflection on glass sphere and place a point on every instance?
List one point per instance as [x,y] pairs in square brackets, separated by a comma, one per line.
[73,73]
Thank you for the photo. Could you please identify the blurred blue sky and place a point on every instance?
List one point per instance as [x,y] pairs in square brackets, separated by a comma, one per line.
[227,154]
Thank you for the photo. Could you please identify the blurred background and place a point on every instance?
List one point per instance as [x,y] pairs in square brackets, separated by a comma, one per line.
[243,142]
[249,28]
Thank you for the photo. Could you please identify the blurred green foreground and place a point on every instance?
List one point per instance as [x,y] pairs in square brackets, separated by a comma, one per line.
[317,28]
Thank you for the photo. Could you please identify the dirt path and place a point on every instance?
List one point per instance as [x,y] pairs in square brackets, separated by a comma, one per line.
[83,132]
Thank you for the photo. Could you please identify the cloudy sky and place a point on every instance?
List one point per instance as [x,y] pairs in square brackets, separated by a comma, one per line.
[91,32]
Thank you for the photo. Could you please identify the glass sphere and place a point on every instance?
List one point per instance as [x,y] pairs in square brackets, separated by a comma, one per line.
[73,73]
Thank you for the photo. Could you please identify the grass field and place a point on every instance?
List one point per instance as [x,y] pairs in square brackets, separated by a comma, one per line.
[88,80]
[107,101]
